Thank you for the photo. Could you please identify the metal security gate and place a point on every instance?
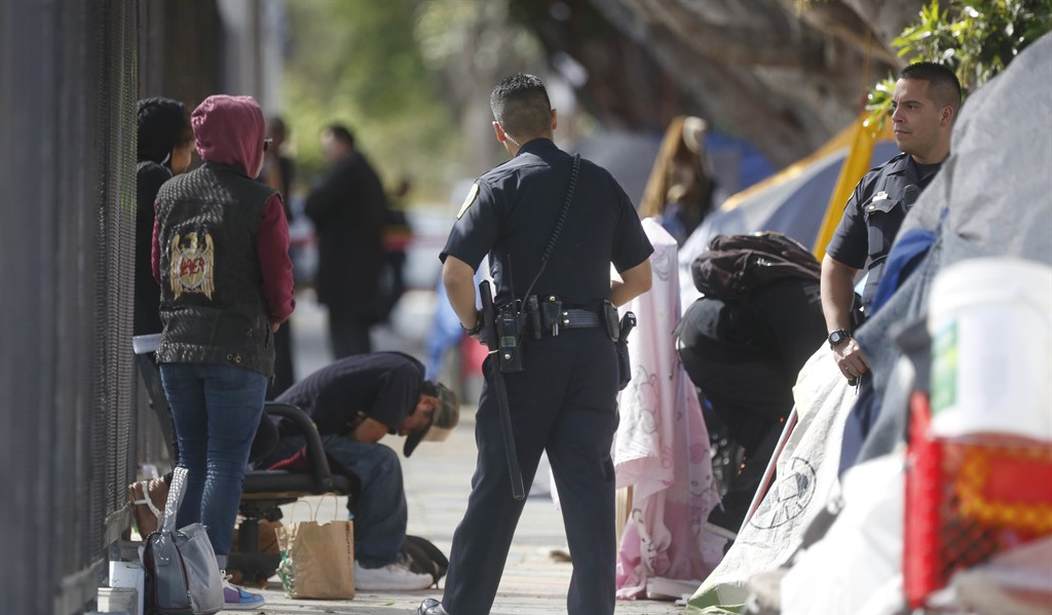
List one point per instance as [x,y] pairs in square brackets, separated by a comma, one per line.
[67,175]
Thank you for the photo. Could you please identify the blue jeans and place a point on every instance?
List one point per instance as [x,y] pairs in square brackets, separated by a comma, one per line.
[380,512]
[379,526]
[216,410]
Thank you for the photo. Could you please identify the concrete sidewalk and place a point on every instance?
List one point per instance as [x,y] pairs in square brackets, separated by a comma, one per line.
[437,485]
[437,482]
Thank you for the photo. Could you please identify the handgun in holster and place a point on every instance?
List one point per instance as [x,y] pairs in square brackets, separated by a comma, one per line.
[624,364]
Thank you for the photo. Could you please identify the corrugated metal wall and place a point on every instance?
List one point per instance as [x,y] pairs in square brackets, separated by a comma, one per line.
[68,80]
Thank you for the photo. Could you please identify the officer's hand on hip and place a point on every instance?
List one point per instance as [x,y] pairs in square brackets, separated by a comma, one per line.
[478,332]
[849,359]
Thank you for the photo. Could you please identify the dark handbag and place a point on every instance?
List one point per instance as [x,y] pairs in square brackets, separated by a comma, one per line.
[182,575]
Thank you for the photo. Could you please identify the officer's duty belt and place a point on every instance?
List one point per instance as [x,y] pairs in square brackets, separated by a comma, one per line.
[547,318]
[579,319]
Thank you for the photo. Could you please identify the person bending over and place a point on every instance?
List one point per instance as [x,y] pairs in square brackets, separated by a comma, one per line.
[356,402]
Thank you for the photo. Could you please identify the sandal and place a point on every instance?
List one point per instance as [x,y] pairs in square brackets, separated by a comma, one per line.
[144,497]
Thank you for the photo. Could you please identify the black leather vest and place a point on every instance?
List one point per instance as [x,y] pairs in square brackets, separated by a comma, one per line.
[212,303]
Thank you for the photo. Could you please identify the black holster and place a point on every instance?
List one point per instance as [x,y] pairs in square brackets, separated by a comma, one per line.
[550,315]
[611,321]
[624,364]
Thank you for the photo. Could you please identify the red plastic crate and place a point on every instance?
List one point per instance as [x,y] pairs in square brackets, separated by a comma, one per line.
[966,501]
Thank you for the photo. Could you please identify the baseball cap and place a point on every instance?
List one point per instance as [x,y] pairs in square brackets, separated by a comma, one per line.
[443,419]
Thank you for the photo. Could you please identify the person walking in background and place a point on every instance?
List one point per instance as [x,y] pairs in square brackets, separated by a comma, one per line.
[398,234]
[165,148]
[220,255]
[279,171]
[679,190]
[347,208]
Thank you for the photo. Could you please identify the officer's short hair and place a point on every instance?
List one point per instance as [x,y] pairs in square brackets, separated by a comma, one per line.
[341,133]
[944,88]
[521,105]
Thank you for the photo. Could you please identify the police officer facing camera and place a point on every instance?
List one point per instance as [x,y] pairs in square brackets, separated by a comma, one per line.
[926,101]
[564,400]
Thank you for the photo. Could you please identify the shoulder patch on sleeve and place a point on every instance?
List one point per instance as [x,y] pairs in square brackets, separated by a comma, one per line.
[469,199]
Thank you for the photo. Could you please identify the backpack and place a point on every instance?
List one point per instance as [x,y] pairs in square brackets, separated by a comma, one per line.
[425,558]
[736,265]
[182,575]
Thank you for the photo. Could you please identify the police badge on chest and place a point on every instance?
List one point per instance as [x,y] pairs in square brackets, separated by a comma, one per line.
[192,264]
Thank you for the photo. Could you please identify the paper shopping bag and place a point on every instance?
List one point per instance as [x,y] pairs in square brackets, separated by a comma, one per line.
[317,559]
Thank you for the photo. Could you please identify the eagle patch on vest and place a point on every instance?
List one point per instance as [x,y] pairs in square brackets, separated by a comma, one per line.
[192,266]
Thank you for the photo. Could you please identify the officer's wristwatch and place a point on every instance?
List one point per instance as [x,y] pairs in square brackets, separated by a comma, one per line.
[838,337]
[478,325]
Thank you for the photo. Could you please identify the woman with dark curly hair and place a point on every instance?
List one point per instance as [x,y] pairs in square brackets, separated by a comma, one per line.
[166,143]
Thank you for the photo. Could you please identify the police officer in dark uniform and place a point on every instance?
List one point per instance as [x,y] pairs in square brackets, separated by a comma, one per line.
[564,402]
[926,100]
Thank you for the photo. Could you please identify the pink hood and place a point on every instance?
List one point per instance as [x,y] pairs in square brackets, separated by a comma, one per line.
[230,130]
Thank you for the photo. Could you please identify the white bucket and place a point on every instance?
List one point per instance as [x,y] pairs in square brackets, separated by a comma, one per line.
[129,576]
[142,344]
[991,325]
[123,600]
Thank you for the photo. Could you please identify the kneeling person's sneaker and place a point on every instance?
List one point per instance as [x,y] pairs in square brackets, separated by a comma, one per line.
[390,577]
[237,599]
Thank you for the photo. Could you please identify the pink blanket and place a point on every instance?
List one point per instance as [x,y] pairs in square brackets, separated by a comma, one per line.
[662,446]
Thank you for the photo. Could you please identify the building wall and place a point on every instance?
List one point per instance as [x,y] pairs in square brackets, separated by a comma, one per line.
[252,50]
[180,50]
[73,427]
[68,81]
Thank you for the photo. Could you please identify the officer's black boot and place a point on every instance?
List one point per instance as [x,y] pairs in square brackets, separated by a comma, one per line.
[430,606]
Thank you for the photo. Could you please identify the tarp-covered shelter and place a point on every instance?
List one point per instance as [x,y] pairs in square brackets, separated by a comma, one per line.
[995,191]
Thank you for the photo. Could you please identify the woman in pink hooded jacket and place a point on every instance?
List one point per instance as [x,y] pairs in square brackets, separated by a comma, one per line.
[220,256]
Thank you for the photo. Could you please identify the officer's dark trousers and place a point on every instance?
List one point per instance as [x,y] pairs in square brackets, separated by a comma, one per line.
[563,403]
